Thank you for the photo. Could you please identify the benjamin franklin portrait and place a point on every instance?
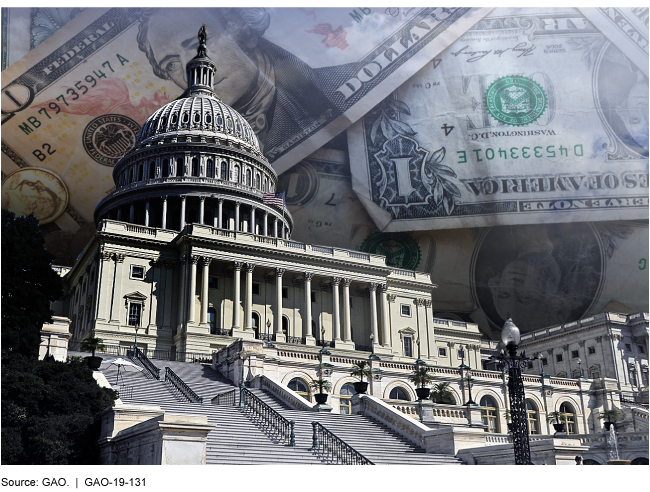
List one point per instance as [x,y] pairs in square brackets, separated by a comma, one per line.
[262,81]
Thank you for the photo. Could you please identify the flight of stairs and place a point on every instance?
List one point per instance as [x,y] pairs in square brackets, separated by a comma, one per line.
[240,438]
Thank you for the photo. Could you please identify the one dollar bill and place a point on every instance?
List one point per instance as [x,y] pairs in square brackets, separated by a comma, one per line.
[532,116]
[74,104]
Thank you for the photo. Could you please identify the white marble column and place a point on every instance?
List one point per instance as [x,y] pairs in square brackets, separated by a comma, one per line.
[275,227]
[248,301]
[164,213]
[237,204]
[336,314]
[117,302]
[220,214]
[236,306]
[252,223]
[192,289]
[202,210]
[205,279]
[131,213]
[384,315]
[347,329]
[278,302]
[373,312]
[266,223]
[182,212]
[306,322]
[146,214]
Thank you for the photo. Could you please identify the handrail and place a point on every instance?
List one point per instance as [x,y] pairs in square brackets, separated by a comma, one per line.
[334,446]
[225,398]
[284,394]
[179,384]
[286,428]
[147,364]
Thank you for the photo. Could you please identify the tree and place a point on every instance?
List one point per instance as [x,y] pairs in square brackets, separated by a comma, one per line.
[421,376]
[51,412]
[361,369]
[442,394]
[28,285]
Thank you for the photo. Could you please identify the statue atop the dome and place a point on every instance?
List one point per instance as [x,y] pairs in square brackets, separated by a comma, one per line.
[202,51]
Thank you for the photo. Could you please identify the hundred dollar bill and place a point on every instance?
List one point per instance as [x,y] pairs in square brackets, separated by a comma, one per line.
[532,116]
[626,27]
[74,104]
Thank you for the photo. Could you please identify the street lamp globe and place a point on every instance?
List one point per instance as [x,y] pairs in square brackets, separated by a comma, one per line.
[510,335]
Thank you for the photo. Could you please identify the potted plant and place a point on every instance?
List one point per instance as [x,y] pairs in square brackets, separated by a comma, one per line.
[322,386]
[442,394]
[93,344]
[611,415]
[421,377]
[360,369]
[508,416]
[555,418]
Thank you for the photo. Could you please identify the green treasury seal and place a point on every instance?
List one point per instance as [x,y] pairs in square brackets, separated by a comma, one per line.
[516,100]
[400,249]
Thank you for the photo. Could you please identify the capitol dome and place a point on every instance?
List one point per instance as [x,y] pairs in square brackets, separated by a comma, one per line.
[197,160]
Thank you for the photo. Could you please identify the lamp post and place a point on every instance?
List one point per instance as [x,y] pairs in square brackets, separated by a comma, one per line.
[466,376]
[580,368]
[268,343]
[135,344]
[511,337]
[419,362]
[372,347]
[323,350]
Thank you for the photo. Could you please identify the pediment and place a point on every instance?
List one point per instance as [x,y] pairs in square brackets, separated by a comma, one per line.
[136,296]
[407,331]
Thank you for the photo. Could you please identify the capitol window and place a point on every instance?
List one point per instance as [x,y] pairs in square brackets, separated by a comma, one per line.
[256,288]
[137,272]
[574,354]
[568,416]
[213,282]
[300,387]
[442,352]
[345,406]
[406,310]
[592,350]
[533,417]
[489,414]
[559,358]
[135,310]
[408,347]
[398,394]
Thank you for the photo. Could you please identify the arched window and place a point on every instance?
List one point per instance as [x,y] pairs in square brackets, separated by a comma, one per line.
[165,169]
[209,171]
[264,184]
[300,387]
[398,393]
[345,407]
[235,173]
[152,170]
[195,166]
[489,414]
[285,324]
[257,181]
[533,417]
[140,172]
[568,416]
[594,462]
[248,177]
[212,320]
[638,461]
[224,170]
[179,167]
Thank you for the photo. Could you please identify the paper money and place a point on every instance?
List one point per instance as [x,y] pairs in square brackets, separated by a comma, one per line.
[299,76]
[626,27]
[542,274]
[532,116]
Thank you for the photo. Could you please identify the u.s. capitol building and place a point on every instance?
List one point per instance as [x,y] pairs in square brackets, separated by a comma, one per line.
[193,257]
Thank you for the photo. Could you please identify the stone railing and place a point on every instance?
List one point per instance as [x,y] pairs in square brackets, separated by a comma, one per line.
[227,352]
[404,273]
[297,355]
[441,412]
[404,425]
[284,394]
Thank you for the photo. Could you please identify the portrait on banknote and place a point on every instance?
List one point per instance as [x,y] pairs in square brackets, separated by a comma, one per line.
[259,79]
[541,274]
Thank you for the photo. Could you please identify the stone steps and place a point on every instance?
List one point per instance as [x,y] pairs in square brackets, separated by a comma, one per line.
[240,438]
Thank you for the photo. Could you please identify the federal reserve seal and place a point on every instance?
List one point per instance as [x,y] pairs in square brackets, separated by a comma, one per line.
[109,137]
[516,100]
[400,249]
[32,189]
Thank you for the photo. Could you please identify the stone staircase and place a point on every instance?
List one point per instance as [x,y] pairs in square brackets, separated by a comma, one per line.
[240,438]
